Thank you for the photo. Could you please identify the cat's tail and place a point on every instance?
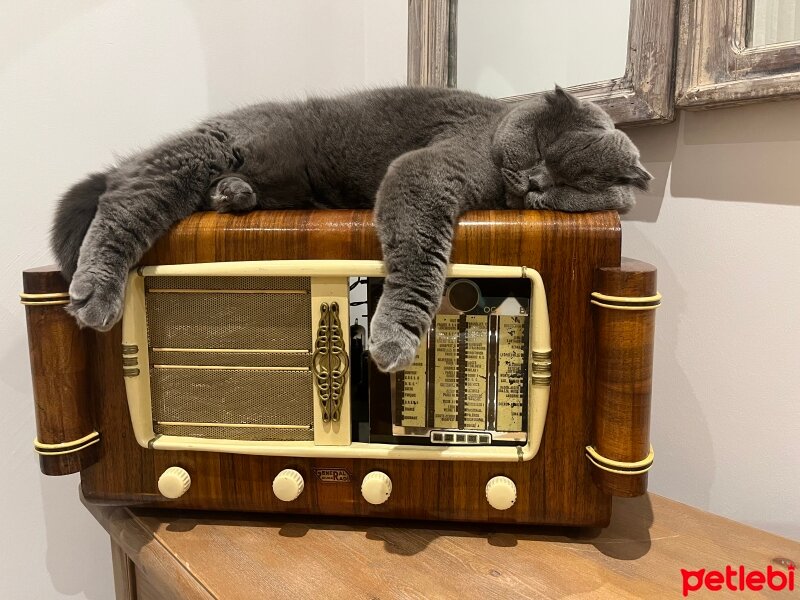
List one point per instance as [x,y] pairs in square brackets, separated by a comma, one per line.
[74,214]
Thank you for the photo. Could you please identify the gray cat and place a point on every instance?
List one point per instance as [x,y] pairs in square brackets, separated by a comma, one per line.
[420,156]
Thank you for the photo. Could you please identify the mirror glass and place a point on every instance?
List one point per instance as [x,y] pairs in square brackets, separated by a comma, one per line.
[512,47]
[772,22]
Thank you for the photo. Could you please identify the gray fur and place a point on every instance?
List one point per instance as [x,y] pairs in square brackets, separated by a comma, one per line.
[420,156]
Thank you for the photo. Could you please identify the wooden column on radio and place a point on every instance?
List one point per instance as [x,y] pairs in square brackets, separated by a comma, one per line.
[66,440]
[624,302]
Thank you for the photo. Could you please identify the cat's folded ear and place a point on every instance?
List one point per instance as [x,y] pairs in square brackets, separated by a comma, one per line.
[559,98]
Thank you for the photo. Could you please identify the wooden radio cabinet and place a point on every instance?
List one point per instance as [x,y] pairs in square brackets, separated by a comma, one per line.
[283,449]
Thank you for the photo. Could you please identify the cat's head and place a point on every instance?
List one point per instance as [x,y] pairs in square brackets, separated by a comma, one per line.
[585,150]
[595,161]
[576,140]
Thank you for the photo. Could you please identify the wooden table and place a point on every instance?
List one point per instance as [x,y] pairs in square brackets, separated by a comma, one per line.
[173,555]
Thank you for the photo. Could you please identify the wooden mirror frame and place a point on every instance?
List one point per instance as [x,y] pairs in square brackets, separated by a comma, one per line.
[642,95]
[715,66]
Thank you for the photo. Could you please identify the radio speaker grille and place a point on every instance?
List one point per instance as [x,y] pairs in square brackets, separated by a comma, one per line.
[230,317]
[230,357]
[248,434]
[194,282]
[212,402]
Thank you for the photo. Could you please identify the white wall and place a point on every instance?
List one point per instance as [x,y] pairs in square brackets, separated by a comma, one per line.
[721,223]
[80,81]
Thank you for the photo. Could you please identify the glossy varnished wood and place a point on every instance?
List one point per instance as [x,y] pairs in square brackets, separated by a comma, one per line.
[59,371]
[555,487]
[624,376]
[650,539]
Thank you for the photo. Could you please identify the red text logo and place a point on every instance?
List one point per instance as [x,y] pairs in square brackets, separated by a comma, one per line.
[738,579]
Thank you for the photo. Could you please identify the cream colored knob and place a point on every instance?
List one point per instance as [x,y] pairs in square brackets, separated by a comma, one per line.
[501,493]
[174,483]
[376,487]
[288,485]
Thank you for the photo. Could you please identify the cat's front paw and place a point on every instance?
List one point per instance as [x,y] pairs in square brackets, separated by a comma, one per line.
[391,346]
[95,300]
[233,194]
[536,200]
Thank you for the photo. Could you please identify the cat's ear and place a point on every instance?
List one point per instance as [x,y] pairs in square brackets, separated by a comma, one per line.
[559,98]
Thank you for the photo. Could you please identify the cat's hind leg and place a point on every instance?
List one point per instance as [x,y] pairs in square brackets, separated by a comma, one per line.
[232,194]
[418,204]
[144,197]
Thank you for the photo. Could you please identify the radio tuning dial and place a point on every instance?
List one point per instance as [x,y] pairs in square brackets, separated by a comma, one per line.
[174,483]
[501,493]
[288,485]
[376,487]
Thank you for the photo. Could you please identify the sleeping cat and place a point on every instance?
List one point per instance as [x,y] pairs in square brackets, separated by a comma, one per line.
[420,156]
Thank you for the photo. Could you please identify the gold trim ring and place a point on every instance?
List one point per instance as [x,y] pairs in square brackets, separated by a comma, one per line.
[620,467]
[65,447]
[626,302]
[49,299]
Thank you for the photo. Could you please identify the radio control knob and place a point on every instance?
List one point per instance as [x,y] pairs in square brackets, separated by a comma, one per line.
[174,483]
[501,493]
[288,485]
[376,487]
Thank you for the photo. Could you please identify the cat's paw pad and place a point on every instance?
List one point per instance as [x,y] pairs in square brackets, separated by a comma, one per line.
[391,346]
[233,194]
[95,301]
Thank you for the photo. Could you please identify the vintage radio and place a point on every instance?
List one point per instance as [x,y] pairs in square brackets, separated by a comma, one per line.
[239,381]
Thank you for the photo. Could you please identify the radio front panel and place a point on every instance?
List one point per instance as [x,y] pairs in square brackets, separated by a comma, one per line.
[255,358]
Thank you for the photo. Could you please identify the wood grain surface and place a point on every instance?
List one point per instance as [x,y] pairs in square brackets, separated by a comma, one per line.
[59,371]
[624,375]
[195,556]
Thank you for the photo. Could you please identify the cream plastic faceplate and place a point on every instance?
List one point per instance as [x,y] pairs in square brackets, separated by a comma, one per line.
[329,283]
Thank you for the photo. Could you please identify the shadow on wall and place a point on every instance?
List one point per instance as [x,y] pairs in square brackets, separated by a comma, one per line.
[657,145]
[723,157]
[680,435]
[743,155]
[723,154]
[676,409]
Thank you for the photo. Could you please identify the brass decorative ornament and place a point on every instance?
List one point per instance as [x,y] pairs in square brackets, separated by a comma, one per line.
[330,362]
